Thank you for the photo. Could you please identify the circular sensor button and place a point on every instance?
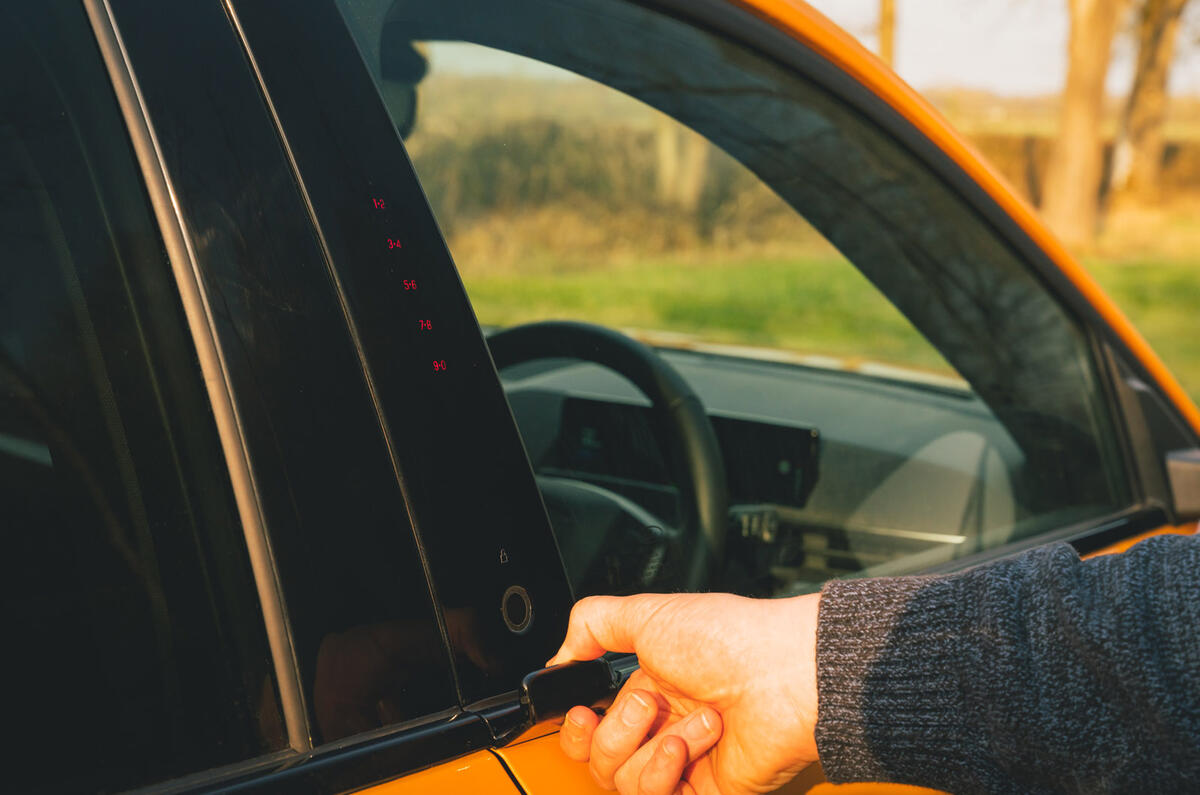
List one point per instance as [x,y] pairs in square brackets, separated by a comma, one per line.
[516,609]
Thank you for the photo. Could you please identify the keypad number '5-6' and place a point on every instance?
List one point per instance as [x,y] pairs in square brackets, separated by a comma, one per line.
[410,284]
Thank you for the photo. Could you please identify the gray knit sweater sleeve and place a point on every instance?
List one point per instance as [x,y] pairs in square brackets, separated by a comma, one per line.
[1039,673]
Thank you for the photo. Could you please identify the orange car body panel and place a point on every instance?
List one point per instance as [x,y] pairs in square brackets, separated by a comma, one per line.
[1126,543]
[480,772]
[869,788]
[542,769]
[537,764]
[812,782]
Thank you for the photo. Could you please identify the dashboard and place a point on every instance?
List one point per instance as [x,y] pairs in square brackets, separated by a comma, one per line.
[829,472]
[618,444]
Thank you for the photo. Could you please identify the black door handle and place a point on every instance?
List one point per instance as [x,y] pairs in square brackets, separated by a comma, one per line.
[547,694]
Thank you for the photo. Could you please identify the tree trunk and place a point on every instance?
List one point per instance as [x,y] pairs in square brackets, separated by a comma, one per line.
[667,159]
[682,165]
[887,31]
[1073,178]
[1137,155]
[693,171]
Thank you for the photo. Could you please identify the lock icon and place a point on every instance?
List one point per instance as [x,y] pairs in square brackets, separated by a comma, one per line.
[503,556]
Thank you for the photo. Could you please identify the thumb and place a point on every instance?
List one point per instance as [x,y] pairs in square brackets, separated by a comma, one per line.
[606,623]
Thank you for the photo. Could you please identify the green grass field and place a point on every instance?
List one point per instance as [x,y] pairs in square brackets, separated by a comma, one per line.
[811,306]
[1163,302]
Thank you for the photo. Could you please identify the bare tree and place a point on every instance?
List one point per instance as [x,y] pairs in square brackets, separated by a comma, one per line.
[887,31]
[682,165]
[1072,188]
[1138,152]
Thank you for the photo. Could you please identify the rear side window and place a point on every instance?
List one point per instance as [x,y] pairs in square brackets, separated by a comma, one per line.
[135,650]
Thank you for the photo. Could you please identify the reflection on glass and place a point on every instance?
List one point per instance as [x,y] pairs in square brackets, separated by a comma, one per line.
[803,273]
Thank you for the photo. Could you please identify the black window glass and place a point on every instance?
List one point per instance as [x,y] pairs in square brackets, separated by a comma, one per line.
[890,384]
[369,649]
[135,649]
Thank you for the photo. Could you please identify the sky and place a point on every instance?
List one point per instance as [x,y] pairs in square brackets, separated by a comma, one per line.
[1014,47]
[1009,47]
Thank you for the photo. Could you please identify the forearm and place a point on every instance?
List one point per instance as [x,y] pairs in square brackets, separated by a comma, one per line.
[1040,672]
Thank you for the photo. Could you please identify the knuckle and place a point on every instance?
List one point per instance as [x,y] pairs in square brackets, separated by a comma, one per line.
[603,779]
[650,781]
[661,772]
[578,609]
[607,744]
[590,604]
[626,780]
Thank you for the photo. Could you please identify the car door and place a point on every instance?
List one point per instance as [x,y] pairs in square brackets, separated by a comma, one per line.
[1032,414]
[358,685]
[406,567]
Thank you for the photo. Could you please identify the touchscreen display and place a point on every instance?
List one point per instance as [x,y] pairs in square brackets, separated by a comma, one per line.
[765,461]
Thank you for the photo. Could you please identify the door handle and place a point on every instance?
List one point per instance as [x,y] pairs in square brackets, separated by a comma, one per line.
[548,693]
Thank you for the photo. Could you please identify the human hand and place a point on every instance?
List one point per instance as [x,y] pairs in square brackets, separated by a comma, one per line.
[725,701]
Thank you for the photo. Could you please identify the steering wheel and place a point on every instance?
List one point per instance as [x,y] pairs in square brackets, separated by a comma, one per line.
[694,457]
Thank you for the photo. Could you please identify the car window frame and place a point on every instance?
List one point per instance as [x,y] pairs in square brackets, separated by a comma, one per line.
[476,550]
[1148,503]
[1117,471]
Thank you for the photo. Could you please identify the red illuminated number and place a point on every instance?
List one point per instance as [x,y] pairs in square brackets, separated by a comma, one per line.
[426,325]
[377,203]
[410,284]
[393,244]
[439,365]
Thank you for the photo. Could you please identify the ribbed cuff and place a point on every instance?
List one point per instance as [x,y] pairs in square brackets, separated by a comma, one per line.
[889,679]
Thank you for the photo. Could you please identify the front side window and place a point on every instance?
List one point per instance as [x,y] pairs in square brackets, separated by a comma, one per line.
[135,649]
[889,385]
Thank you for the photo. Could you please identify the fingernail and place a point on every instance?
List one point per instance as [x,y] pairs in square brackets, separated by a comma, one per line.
[699,727]
[670,750]
[574,721]
[636,710]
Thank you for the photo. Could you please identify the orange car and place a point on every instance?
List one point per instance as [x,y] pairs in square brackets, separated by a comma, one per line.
[288,508]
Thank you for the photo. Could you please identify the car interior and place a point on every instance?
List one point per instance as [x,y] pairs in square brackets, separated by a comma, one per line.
[801,466]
